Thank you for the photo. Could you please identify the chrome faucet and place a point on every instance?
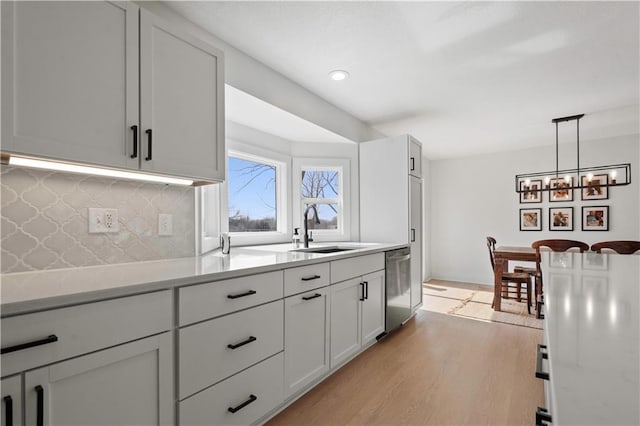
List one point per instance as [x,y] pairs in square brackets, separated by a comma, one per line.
[307,234]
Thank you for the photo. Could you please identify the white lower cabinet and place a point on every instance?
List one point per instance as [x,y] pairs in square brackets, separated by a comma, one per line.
[239,400]
[130,384]
[306,338]
[11,388]
[357,315]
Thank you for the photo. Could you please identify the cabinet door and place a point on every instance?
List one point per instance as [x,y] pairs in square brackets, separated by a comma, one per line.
[373,307]
[130,384]
[70,80]
[11,388]
[346,303]
[415,158]
[306,338]
[416,241]
[182,102]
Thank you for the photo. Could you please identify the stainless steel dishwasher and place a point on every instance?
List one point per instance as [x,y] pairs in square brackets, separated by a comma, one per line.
[398,286]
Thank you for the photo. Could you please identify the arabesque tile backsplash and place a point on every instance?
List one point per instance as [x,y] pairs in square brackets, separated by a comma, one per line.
[45,220]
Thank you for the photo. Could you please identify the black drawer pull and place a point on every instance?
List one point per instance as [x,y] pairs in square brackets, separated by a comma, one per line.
[8,410]
[311,297]
[244,404]
[413,163]
[244,342]
[40,406]
[362,298]
[540,355]
[50,339]
[236,296]
[413,235]
[135,141]
[543,417]
[149,145]
[310,278]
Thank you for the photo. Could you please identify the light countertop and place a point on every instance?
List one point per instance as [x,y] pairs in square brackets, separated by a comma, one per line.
[592,329]
[25,292]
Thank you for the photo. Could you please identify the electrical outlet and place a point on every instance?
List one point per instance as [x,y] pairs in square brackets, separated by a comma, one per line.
[103,221]
[165,224]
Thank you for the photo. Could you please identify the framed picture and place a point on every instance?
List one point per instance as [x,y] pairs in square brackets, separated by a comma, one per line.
[531,219]
[560,218]
[591,189]
[532,193]
[561,189]
[595,218]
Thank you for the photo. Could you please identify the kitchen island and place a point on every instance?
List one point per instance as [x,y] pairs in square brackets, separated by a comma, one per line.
[592,333]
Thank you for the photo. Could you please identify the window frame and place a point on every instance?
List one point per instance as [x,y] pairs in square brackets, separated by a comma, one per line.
[281,163]
[343,166]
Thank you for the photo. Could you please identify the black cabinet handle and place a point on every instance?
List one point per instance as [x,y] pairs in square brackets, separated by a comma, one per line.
[50,339]
[413,235]
[541,353]
[236,296]
[8,410]
[362,298]
[135,141]
[366,289]
[542,417]
[244,404]
[149,146]
[413,163]
[40,406]
[244,342]
[311,297]
[310,278]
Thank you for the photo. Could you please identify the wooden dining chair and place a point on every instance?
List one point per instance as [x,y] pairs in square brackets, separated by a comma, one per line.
[511,282]
[560,245]
[620,247]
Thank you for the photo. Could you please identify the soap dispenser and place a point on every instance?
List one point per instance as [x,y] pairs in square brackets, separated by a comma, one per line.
[296,238]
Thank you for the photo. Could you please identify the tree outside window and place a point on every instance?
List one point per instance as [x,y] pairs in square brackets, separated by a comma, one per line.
[252,196]
[320,192]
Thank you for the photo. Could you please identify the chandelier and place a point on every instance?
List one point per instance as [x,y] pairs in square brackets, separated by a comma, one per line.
[563,180]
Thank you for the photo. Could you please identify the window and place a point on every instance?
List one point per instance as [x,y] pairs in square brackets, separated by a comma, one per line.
[322,188]
[256,196]
[252,196]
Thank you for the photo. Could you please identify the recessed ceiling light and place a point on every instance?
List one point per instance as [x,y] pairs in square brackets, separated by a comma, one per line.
[338,75]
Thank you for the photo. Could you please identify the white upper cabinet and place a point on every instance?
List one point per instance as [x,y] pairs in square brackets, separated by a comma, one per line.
[182,102]
[415,158]
[70,80]
[110,84]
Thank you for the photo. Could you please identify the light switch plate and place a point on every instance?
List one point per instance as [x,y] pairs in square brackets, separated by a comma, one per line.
[165,224]
[103,221]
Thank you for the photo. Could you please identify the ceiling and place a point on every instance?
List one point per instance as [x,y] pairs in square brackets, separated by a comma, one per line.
[462,77]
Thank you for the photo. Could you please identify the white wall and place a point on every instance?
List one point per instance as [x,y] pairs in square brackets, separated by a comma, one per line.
[251,76]
[473,197]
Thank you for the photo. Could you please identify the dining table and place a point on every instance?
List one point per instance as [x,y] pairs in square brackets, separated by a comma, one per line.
[502,256]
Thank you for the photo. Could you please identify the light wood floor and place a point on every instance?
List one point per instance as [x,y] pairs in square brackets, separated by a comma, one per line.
[436,370]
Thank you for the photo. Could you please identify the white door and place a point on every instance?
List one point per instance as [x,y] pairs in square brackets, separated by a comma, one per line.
[182,102]
[306,338]
[130,384]
[415,158]
[70,80]
[416,241]
[11,388]
[346,303]
[373,307]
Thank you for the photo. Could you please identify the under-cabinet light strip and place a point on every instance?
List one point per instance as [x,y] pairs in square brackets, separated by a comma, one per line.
[75,168]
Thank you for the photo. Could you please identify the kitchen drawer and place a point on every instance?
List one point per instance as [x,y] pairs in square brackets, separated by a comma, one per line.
[204,301]
[83,328]
[356,266]
[305,278]
[259,387]
[206,358]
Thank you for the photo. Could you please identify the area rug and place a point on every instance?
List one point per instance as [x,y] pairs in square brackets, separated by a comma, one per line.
[469,302]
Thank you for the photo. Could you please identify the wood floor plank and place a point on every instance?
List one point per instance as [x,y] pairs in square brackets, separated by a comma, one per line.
[436,370]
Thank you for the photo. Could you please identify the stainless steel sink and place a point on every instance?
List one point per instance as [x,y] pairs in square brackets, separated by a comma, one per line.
[322,250]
